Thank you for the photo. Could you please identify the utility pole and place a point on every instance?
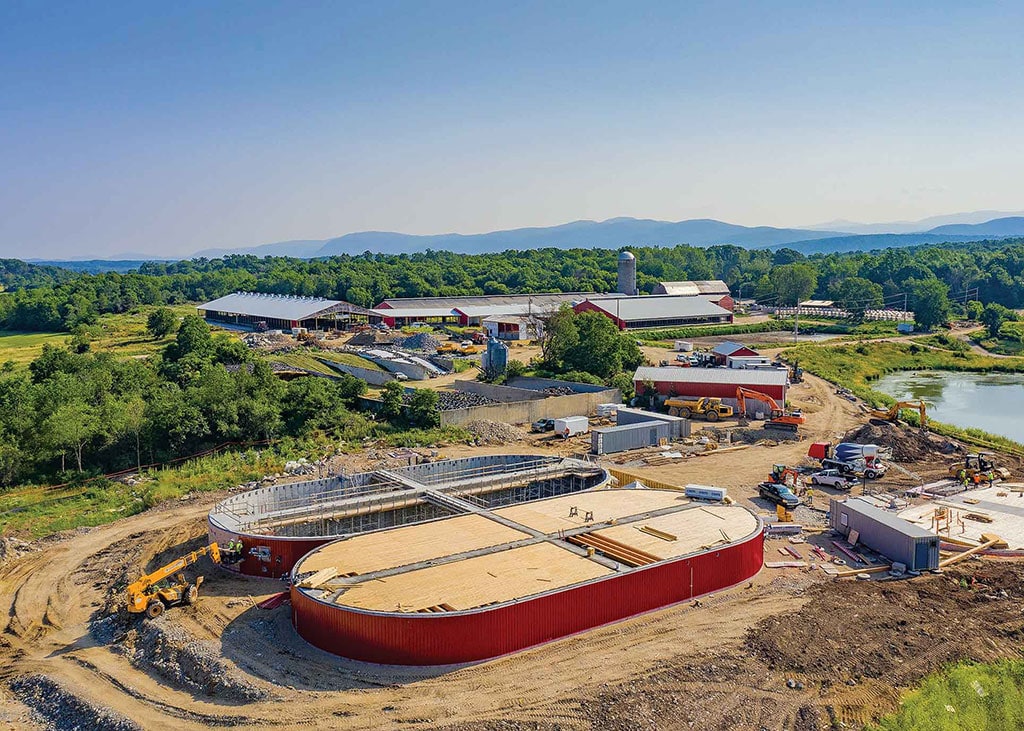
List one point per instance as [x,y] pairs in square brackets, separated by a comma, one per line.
[796,323]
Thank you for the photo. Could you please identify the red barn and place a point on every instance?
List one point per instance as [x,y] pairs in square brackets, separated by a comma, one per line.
[726,350]
[712,382]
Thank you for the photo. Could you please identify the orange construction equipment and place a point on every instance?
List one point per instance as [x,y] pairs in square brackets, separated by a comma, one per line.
[779,417]
[150,595]
[783,475]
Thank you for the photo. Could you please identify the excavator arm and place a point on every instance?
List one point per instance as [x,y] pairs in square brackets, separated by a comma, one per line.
[742,394]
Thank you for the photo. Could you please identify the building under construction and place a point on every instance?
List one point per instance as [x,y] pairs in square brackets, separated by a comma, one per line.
[277,525]
[509,569]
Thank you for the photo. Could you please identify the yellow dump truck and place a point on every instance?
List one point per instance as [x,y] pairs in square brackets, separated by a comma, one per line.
[710,409]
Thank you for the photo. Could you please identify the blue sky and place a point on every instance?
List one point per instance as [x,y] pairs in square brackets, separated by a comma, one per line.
[164,128]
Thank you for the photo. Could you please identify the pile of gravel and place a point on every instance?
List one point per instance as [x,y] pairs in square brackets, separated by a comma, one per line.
[449,400]
[419,341]
[558,391]
[185,661]
[58,708]
[495,432]
[12,548]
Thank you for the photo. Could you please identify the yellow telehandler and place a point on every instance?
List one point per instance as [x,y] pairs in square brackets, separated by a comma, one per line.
[152,595]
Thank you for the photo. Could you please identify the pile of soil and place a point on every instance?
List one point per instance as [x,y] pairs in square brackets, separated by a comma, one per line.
[908,444]
[495,432]
[58,708]
[897,631]
[12,548]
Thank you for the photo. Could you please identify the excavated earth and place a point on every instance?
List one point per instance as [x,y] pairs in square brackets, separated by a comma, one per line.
[789,650]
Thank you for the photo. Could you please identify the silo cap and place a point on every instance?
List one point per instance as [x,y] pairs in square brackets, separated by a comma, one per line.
[626,256]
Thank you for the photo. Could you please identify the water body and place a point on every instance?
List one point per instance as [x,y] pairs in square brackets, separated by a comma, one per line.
[990,401]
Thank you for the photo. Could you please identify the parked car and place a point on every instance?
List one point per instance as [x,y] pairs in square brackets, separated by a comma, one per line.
[543,425]
[833,478]
[778,494]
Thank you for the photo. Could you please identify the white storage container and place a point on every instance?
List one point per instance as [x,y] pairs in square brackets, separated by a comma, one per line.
[705,492]
[571,425]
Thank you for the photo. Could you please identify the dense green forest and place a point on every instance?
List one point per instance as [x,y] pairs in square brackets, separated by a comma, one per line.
[49,298]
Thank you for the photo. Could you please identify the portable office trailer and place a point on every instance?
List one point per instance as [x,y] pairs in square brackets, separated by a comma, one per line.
[885,533]
[680,426]
[629,436]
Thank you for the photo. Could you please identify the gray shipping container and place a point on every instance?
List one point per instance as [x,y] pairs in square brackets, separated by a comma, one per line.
[680,426]
[613,439]
[886,533]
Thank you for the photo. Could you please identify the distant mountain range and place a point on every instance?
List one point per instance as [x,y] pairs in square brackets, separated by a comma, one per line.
[618,232]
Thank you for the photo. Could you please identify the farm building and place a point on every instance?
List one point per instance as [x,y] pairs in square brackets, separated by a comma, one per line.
[630,313]
[712,382]
[256,310]
[514,327]
[506,571]
[472,310]
[726,350]
[713,290]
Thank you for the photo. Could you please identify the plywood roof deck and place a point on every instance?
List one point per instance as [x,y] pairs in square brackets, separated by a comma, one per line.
[693,530]
[473,582]
[410,544]
[498,572]
[552,515]
[1006,512]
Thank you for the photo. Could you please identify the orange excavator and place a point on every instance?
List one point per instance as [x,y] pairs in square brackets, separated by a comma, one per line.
[778,418]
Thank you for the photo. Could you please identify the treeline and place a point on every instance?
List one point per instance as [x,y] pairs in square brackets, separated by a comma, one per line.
[82,412]
[48,298]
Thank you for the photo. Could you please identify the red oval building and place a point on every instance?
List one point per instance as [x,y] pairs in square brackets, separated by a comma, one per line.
[491,581]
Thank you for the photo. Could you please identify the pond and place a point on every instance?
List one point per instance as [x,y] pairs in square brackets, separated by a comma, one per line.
[990,401]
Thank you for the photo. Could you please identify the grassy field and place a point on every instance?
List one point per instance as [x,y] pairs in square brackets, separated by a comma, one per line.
[124,335]
[966,697]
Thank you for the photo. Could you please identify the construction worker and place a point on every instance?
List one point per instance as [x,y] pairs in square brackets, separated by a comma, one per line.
[977,479]
[991,477]
[810,496]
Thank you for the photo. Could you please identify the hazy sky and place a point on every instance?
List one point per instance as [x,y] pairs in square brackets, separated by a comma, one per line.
[167,127]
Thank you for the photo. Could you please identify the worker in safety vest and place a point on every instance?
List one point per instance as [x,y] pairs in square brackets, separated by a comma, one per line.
[810,496]
[977,479]
[991,477]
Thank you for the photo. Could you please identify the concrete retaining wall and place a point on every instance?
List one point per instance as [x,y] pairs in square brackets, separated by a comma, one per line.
[537,384]
[504,394]
[371,376]
[413,371]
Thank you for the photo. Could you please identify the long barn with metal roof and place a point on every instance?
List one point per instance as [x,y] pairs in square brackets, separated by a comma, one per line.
[251,310]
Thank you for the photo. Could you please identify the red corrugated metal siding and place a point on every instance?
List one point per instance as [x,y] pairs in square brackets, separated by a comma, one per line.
[283,553]
[438,639]
[722,390]
[588,306]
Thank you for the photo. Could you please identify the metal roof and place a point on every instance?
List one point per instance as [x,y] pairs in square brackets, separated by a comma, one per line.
[696,287]
[817,303]
[279,306]
[417,312]
[736,376]
[658,306]
[489,300]
[890,520]
[500,309]
[728,348]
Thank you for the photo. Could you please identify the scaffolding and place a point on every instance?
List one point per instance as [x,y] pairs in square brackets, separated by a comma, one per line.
[350,504]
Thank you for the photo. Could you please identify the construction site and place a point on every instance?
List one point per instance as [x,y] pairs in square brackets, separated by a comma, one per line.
[696,573]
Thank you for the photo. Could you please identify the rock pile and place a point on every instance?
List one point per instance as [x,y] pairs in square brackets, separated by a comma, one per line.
[558,391]
[183,660]
[495,432]
[300,466]
[59,708]
[12,548]
[419,341]
[449,400]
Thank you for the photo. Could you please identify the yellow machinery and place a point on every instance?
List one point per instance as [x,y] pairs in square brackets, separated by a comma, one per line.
[893,414]
[977,463]
[711,409]
[152,595]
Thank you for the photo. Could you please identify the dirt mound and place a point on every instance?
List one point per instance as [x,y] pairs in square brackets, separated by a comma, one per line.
[897,631]
[60,709]
[495,432]
[181,659]
[907,444]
